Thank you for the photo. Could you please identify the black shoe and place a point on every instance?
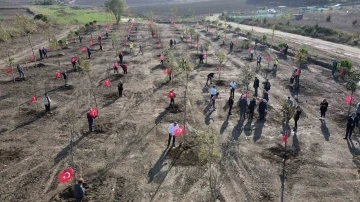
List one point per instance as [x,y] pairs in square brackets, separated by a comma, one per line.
[345,138]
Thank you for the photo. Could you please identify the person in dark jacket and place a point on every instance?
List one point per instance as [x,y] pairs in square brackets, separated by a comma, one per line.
[201,59]
[65,77]
[350,125]
[243,105]
[124,67]
[297,116]
[323,108]
[230,103]
[171,43]
[88,52]
[41,54]
[79,190]
[262,108]
[256,86]
[20,70]
[80,38]
[231,46]
[266,95]
[267,85]
[209,78]
[121,58]
[258,61]
[252,106]
[44,52]
[286,49]
[334,66]
[120,89]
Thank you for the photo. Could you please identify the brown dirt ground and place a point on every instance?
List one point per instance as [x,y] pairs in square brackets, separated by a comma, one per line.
[126,158]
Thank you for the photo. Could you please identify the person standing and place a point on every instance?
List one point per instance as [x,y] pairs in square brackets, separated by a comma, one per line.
[262,109]
[121,57]
[73,62]
[88,52]
[172,97]
[171,43]
[47,101]
[201,49]
[266,95]
[256,86]
[100,43]
[90,118]
[323,108]
[169,72]
[79,190]
[65,77]
[252,53]
[334,67]
[258,61]
[44,51]
[286,49]
[350,125]
[209,78]
[201,59]
[124,67]
[120,88]
[297,116]
[232,88]
[276,63]
[267,85]
[20,70]
[171,129]
[80,38]
[140,50]
[252,106]
[231,46]
[131,45]
[243,107]
[213,96]
[358,111]
[41,54]
[230,103]
[289,101]
[116,69]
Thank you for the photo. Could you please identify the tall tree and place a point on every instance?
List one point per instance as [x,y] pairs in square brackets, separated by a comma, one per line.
[117,8]
[5,39]
[221,56]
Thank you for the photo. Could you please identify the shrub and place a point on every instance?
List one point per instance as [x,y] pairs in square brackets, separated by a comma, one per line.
[354,22]
[38,16]
[264,21]
[282,45]
[328,18]
[245,44]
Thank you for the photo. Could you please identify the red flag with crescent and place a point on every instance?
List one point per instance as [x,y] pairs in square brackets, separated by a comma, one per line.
[171,94]
[161,57]
[268,58]
[348,99]
[106,83]
[178,132]
[33,99]
[66,175]
[165,71]
[91,42]
[218,70]
[83,49]
[93,112]
[57,75]
[115,65]
[32,58]
[284,137]
[8,70]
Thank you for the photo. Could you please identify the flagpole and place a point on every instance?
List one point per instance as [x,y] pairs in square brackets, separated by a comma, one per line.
[283,171]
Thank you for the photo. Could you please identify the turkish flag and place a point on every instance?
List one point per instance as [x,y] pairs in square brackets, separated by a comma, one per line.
[342,71]
[249,50]
[66,175]
[246,94]
[33,99]
[235,42]
[91,42]
[125,44]
[83,49]
[284,137]
[8,70]
[218,71]
[189,38]
[205,55]
[73,59]
[49,49]
[297,73]
[32,58]
[196,45]
[93,112]
[106,83]
[268,58]
[178,132]
[348,99]
[158,46]
[165,71]
[161,57]
[57,75]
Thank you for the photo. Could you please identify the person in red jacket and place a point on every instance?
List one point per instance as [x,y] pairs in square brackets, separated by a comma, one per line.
[171,95]
[124,67]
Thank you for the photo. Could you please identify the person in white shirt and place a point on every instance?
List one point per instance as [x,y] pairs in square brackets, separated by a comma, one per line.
[252,53]
[47,101]
[171,129]
[213,96]
[232,88]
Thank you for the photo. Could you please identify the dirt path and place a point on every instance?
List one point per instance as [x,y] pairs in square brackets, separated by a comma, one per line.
[337,50]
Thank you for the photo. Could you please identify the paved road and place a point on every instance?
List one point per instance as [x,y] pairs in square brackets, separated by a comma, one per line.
[337,49]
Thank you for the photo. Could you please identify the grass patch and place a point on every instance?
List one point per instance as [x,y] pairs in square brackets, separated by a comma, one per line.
[73,15]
